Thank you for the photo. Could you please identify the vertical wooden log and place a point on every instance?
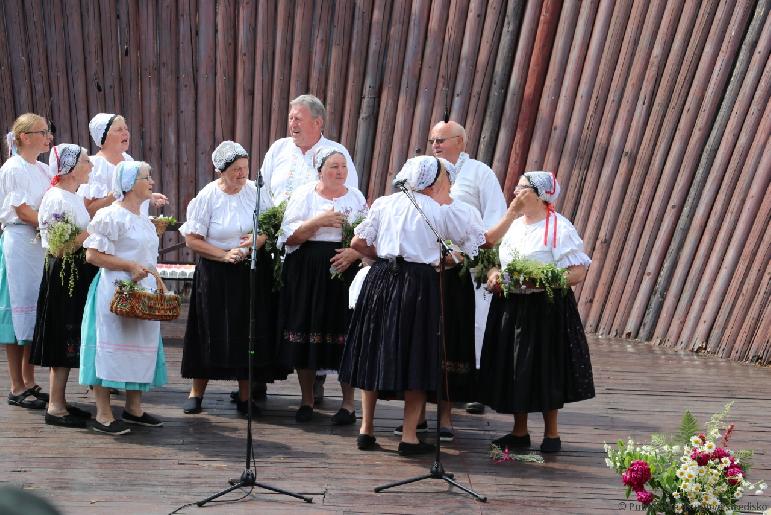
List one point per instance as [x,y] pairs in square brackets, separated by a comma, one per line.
[282,69]
[108,25]
[151,95]
[92,47]
[301,48]
[224,123]
[245,65]
[389,96]
[469,55]
[405,109]
[129,34]
[38,61]
[20,74]
[362,13]
[483,73]
[365,132]
[168,46]
[448,69]
[697,52]
[555,77]
[206,71]
[500,82]
[186,93]
[263,82]
[7,113]
[516,87]
[57,74]
[681,163]
[567,94]
[322,31]
[76,68]
[708,178]
[342,27]
[602,95]
[755,337]
[429,73]
[632,111]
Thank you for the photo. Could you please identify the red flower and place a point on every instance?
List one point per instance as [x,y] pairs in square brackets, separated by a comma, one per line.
[644,497]
[638,473]
[733,473]
[720,453]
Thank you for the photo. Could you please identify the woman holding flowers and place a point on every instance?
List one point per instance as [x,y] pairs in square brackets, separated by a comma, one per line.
[535,357]
[63,219]
[119,352]
[218,227]
[313,317]
[23,181]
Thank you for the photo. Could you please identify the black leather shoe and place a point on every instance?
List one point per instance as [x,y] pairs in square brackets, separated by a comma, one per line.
[343,417]
[415,449]
[509,441]
[475,408]
[304,414]
[65,420]
[365,442]
[551,444]
[192,405]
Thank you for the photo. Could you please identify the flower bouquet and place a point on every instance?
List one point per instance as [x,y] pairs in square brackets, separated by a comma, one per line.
[270,225]
[692,472]
[481,264]
[161,223]
[348,228]
[62,233]
[521,273]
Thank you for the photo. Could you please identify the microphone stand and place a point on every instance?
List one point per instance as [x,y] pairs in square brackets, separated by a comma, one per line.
[437,470]
[248,476]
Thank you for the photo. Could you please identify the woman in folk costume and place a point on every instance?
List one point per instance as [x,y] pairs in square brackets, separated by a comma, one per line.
[393,338]
[119,352]
[23,181]
[218,226]
[535,357]
[313,317]
[111,134]
[65,284]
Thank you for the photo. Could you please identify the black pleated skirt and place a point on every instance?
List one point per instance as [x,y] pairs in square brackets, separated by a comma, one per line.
[535,356]
[57,328]
[313,316]
[216,343]
[460,359]
[393,337]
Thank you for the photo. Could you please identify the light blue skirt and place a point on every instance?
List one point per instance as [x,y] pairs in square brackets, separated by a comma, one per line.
[87,375]
[7,334]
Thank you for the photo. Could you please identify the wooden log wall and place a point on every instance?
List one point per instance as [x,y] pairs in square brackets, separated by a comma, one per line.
[654,115]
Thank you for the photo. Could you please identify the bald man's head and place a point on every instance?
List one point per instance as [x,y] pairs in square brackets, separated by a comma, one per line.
[448,140]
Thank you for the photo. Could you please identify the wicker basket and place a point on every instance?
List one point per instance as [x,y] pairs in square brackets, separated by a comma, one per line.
[146,305]
[160,225]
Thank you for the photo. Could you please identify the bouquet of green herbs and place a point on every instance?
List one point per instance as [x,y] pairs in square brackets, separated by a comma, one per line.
[522,273]
[270,225]
[348,228]
[62,233]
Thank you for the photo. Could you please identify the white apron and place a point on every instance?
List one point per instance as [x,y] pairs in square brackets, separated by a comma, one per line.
[24,258]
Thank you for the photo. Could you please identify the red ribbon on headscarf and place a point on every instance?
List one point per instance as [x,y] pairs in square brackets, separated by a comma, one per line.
[55,180]
[549,212]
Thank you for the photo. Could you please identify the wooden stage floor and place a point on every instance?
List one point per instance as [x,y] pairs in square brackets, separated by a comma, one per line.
[640,389]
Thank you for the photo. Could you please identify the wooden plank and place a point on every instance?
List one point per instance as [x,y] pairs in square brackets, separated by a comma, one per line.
[555,78]
[516,86]
[76,68]
[150,62]
[681,163]
[362,13]
[281,69]
[224,122]
[38,61]
[710,178]
[263,82]
[186,114]
[16,29]
[500,82]
[469,56]
[405,108]
[448,68]
[244,73]
[92,48]
[320,61]
[131,77]
[429,72]
[57,75]
[7,113]
[108,26]
[206,70]
[301,48]
[340,53]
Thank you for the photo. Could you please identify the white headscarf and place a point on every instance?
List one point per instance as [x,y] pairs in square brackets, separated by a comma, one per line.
[322,154]
[125,176]
[63,158]
[420,172]
[546,185]
[99,126]
[226,154]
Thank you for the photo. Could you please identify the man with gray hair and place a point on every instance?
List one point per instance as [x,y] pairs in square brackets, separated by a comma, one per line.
[288,163]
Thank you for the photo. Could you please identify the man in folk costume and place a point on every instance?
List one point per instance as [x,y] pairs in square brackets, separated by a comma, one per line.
[477,186]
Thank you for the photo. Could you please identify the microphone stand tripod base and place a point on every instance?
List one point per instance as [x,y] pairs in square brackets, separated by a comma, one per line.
[247,479]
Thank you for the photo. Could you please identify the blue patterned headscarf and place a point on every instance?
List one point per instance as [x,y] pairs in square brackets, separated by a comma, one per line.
[125,177]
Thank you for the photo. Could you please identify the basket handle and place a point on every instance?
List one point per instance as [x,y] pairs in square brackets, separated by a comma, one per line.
[159,285]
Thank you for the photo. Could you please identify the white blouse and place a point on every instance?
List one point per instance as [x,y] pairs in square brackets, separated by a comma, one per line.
[58,201]
[305,203]
[222,219]
[477,186]
[395,228]
[100,179]
[526,241]
[21,183]
[285,168]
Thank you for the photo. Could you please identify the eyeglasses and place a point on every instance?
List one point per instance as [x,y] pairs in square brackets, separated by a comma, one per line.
[439,141]
[45,132]
[520,187]
[145,178]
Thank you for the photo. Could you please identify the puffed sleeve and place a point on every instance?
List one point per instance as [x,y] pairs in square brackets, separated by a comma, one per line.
[18,188]
[266,202]
[267,169]
[358,206]
[491,198]
[367,230]
[198,215]
[104,230]
[570,247]
[93,190]
[463,225]
[53,205]
[296,213]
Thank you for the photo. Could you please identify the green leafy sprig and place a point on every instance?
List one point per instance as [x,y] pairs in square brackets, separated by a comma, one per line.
[521,273]
[270,225]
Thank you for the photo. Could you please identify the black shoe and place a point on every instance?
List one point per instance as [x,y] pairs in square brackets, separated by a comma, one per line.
[259,393]
[343,417]
[420,428]
[145,420]
[475,408]
[551,444]
[366,442]
[38,393]
[243,408]
[192,405]
[509,441]
[304,414]
[22,401]
[415,449]
[446,434]
[77,412]
[67,420]
[116,427]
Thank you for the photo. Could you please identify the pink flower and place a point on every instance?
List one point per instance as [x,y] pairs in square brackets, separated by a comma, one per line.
[733,474]
[727,435]
[644,497]
[720,453]
[701,458]
[638,473]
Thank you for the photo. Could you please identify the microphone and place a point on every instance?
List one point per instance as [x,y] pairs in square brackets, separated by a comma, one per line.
[401,185]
